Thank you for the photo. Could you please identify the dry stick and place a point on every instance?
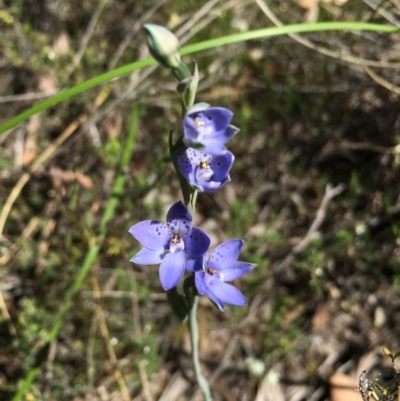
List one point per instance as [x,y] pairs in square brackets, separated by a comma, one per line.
[323,50]
[44,156]
[89,354]
[28,230]
[106,336]
[330,193]
[385,14]
[132,32]
[211,16]
[145,382]
[188,26]
[28,96]
[6,316]
[382,81]
[86,38]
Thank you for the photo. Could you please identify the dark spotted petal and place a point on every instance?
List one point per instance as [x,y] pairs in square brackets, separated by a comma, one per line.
[224,255]
[179,220]
[196,242]
[219,116]
[221,164]
[187,169]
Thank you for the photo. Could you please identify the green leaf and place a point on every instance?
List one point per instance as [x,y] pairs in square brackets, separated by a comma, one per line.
[195,48]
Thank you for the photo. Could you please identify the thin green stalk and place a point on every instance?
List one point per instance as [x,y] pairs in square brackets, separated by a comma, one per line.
[194,340]
[197,47]
[88,262]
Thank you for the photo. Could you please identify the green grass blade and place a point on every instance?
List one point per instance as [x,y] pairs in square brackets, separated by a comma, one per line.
[285,30]
[209,44]
[91,254]
[75,90]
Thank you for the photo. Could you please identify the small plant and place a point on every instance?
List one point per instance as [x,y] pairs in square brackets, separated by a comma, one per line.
[370,389]
[202,164]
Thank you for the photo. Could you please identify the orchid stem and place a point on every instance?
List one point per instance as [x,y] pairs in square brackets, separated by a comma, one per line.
[194,340]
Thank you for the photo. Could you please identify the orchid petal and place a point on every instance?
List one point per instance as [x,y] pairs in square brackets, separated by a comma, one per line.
[237,270]
[197,242]
[219,116]
[179,220]
[151,234]
[204,289]
[172,269]
[200,283]
[194,264]
[148,256]
[186,168]
[227,293]
[225,254]
[221,164]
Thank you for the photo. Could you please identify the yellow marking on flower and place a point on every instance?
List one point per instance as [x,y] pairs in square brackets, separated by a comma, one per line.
[176,239]
[204,164]
[199,123]
[212,271]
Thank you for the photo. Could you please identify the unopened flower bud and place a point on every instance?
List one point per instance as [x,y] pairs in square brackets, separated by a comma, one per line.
[163,45]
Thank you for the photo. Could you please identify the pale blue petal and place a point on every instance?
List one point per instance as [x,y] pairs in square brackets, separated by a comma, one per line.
[200,283]
[172,269]
[204,289]
[151,234]
[213,147]
[227,293]
[237,270]
[190,130]
[209,186]
[196,156]
[148,256]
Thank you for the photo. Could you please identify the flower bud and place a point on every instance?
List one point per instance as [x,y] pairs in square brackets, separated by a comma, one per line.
[163,45]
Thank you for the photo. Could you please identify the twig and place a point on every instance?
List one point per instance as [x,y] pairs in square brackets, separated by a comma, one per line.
[86,37]
[6,316]
[132,32]
[145,382]
[381,81]
[323,50]
[385,14]
[330,193]
[28,96]
[44,156]
[26,233]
